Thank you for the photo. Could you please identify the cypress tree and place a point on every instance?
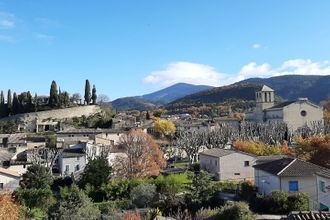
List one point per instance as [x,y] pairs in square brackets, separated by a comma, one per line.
[2,105]
[35,102]
[16,108]
[94,95]
[9,102]
[53,96]
[87,92]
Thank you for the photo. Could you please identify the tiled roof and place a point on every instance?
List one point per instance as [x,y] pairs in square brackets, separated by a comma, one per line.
[68,153]
[312,215]
[289,167]
[324,173]
[9,172]
[281,105]
[219,152]
[266,159]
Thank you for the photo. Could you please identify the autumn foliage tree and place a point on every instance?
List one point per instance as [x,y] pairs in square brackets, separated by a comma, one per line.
[142,158]
[164,128]
[260,149]
[8,208]
[315,149]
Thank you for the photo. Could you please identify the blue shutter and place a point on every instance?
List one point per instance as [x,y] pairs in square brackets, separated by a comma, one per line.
[293,186]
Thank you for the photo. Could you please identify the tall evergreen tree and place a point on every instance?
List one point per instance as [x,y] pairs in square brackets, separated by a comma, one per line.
[87,92]
[35,102]
[60,101]
[29,102]
[16,104]
[2,98]
[94,95]
[53,96]
[2,105]
[9,101]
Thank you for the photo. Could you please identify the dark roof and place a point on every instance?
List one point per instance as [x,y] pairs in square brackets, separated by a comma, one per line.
[283,104]
[68,153]
[315,215]
[266,159]
[218,152]
[90,131]
[324,173]
[289,167]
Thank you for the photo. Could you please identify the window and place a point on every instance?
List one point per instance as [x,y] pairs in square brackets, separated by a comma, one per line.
[293,186]
[322,186]
[78,158]
[1,186]
[216,163]
[303,113]
[246,163]
[237,174]
[77,167]
[67,167]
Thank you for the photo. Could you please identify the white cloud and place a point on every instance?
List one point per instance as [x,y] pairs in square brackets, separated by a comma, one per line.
[7,20]
[7,39]
[194,73]
[256,46]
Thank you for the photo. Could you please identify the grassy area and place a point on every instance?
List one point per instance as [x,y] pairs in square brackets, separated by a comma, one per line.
[181,165]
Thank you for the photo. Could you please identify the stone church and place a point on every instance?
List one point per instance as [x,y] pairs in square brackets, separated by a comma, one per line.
[296,114]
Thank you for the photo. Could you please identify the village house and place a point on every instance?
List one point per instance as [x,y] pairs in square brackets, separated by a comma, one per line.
[288,175]
[227,164]
[71,161]
[323,192]
[9,179]
[300,113]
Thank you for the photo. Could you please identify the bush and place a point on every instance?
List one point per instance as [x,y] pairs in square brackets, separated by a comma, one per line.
[282,203]
[35,198]
[109,206]
[236,211]
[143,195]
[247,191]
[207,214]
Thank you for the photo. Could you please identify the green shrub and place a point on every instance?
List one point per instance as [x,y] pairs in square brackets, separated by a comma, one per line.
[109,207]
[207,214]
[35,198]
[143,195]
[236,211]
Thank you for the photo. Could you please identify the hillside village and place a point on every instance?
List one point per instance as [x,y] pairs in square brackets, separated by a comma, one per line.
[270,161]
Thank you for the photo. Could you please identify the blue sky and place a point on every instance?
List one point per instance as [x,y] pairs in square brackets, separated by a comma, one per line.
[135,47]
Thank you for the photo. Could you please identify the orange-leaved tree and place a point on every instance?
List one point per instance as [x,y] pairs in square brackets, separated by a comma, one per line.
[315,149]
[8,208]
[142,157]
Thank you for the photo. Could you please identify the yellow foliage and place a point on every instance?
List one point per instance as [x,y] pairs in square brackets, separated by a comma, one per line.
[164,127]
[260,149]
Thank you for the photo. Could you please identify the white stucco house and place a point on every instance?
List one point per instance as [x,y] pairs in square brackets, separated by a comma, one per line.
[296,113]
[71,161]
[323,189]
[9,180]
[288,175]
[227,164]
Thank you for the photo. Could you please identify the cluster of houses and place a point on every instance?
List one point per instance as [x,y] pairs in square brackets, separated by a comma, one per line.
[271,173]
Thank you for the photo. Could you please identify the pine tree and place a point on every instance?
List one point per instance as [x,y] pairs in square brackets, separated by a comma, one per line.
[87,92]
[60,101]
[53,96]
[2,98]
[94,95]
[29,102]
[2,105]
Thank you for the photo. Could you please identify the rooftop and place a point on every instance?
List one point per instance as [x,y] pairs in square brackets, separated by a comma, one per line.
[218,152]
[266,89]
[289,167]
[9,172]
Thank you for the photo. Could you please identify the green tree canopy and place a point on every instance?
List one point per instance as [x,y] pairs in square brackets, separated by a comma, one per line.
[96,173]
[94,95]
[53,95]
[37,176]
[74,204]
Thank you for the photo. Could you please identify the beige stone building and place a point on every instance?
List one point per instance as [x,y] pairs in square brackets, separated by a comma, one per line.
[296,114]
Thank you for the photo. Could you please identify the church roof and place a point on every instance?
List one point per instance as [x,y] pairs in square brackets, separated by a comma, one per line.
[266,89]
[283,104]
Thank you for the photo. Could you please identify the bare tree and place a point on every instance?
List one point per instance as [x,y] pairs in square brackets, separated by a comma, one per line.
[102,98]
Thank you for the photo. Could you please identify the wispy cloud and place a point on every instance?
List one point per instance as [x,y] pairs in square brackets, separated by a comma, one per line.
[44,37]
[7,20]
[195,73]
[256,46]
[7,39]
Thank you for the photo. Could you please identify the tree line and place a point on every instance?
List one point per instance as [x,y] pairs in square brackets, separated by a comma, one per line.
[13,103]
